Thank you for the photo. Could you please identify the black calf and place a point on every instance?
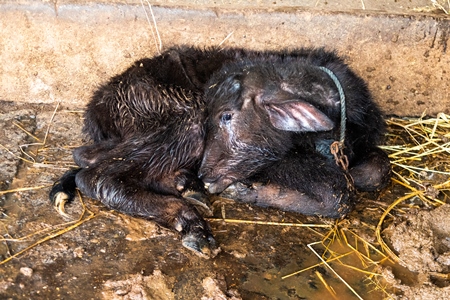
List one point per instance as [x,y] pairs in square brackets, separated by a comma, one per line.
[269,116]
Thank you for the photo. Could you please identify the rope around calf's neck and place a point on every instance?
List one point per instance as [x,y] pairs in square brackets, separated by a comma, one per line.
[336,148]
[342,100]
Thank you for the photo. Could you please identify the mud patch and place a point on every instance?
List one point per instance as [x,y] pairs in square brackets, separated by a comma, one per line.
[422,242]
[138,287]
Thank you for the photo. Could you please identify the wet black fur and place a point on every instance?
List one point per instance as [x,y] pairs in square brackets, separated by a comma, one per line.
[147,127]
[302,174]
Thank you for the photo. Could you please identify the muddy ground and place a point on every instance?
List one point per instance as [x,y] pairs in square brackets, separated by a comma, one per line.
[100,254]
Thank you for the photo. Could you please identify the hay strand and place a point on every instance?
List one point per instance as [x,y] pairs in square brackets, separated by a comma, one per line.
[23,189]
[269,223]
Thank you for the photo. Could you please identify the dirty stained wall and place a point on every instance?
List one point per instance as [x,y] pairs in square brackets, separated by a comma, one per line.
[51,51]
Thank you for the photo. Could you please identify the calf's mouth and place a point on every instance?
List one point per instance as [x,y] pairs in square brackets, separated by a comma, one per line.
[218,185]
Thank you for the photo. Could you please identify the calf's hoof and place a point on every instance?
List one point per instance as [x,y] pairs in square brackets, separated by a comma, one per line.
[202,245]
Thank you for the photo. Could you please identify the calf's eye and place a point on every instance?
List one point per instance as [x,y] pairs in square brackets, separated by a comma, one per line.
[225,118]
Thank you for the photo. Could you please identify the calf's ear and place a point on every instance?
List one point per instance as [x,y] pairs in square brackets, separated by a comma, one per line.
[297,115]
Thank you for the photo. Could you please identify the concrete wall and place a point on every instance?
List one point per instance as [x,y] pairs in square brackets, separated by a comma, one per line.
[52,52]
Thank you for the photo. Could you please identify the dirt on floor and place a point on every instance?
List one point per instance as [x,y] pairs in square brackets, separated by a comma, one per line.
[95,253]
[422,241]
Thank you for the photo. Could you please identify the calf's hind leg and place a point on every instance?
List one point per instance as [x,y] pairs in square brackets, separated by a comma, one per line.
[89,155]
[63,190]
[120,186]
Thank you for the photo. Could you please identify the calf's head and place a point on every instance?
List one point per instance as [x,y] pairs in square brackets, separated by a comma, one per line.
[253,113]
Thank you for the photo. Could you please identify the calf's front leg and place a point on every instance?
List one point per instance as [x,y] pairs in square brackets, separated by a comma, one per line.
[309,185]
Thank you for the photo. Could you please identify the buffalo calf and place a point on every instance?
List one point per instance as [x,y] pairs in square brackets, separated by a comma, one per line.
[227,118]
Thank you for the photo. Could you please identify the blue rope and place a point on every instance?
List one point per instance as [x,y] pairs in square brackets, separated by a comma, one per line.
[343,105]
